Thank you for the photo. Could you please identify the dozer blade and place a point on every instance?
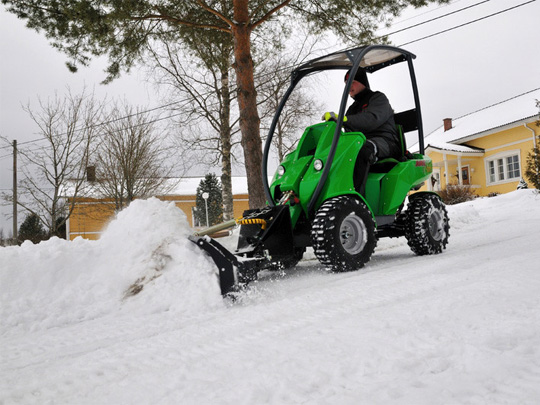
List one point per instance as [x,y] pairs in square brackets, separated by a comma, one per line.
[226,262]
[232,272]
[265,238]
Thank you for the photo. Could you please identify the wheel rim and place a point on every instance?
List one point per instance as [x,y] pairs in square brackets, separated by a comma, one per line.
[353,234]
[436,225]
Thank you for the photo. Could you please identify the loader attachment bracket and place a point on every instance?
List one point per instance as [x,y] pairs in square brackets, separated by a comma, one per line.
[265,238]
[276,238]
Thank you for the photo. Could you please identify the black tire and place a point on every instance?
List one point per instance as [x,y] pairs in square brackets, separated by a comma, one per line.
[427,225]
[343,234]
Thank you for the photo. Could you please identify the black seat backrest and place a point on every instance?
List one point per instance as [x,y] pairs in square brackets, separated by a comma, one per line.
[405,122]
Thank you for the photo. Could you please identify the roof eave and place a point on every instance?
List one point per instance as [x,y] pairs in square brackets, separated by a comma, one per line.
[494,130]
[474,153]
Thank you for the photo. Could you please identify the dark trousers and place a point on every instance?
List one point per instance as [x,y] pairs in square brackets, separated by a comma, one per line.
[368,155]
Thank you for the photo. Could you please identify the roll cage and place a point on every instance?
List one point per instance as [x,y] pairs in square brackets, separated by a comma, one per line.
[371,58]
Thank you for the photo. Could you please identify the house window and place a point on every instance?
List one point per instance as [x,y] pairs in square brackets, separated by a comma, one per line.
[491,166]
[512,163]
[503,168]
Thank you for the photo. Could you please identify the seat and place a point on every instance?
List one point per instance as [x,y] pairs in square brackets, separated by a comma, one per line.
[406,121]
[385,165]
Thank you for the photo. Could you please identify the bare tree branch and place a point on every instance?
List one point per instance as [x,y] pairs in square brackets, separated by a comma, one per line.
[67,127]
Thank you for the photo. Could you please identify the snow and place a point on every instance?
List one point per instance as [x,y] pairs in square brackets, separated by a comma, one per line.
[462,327]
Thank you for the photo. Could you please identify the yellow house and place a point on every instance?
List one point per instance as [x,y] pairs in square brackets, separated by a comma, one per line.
[486,149]
[91,214]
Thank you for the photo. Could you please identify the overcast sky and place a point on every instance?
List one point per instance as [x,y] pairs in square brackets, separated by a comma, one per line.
[458,71]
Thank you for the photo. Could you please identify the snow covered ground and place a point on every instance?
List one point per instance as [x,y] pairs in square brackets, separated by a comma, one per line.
[462,327]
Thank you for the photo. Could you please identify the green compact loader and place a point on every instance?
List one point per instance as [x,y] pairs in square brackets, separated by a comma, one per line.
[312,200]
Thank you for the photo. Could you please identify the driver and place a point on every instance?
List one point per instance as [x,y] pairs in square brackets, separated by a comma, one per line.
[372,115]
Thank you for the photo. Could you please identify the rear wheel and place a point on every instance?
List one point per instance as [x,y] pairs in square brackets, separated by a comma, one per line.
[343,234]
[427,225]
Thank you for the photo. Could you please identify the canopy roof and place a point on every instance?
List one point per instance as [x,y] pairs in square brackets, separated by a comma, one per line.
[376,57]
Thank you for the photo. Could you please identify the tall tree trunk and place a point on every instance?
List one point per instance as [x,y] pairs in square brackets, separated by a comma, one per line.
[225,135]
[247,101]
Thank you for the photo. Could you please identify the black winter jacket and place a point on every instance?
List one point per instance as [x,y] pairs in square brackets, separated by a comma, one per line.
[372,115]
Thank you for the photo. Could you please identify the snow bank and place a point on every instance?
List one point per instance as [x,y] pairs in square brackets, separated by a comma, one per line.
[461,327]
[143,263]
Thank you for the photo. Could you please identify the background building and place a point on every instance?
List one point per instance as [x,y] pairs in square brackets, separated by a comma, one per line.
[92,213]
[486,149]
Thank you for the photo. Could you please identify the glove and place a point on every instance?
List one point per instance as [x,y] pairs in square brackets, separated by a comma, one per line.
[331,116]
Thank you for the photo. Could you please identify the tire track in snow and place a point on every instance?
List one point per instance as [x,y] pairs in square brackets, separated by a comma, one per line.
[308,312]
[394,287]
[164,344]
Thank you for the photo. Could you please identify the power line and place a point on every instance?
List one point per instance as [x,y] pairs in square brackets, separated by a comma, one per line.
[115,131]
[395,32]
[500,102]
[468,23]
[426,12]
[111,121]
[437,18]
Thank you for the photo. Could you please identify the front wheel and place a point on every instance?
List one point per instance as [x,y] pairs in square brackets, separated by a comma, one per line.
[427,225]
[343,233]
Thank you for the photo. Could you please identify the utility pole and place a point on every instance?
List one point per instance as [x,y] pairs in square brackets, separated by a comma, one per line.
[14,190]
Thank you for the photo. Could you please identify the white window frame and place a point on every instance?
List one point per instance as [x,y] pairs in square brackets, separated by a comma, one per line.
[502,156]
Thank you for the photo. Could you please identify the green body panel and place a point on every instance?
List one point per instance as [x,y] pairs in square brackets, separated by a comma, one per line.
[340,177]
[385,192]
[301,177]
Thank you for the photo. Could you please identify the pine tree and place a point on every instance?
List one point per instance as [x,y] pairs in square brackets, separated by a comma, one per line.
[532,168]
[214,202]
[32,229]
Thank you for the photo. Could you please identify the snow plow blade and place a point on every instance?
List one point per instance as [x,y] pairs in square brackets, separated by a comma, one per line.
[226,262]
[233,273]
[265,239]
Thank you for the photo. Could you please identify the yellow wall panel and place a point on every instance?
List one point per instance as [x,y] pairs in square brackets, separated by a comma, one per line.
[90,216]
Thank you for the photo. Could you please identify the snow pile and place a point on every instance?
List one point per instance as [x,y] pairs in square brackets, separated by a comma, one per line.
[143,263]
[461,327]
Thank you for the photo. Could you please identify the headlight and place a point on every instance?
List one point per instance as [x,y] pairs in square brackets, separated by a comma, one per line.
[281,170]
[318,165]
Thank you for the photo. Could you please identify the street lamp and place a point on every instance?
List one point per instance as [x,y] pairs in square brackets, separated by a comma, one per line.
[205,195]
